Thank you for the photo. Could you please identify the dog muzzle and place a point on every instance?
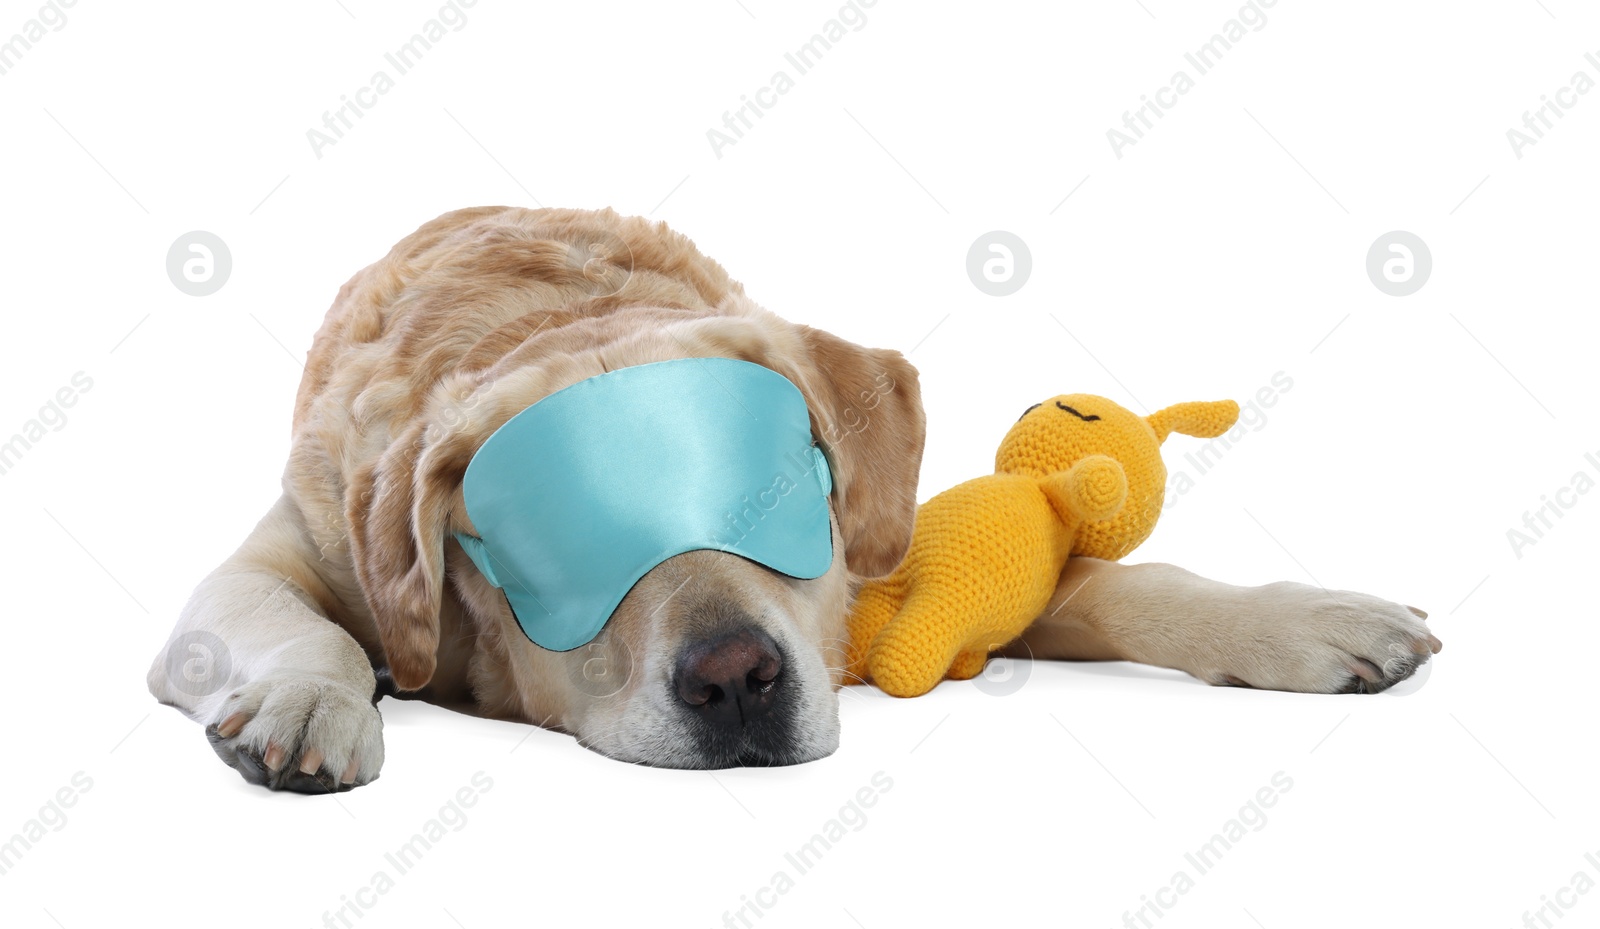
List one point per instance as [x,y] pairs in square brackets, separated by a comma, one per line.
[578,496]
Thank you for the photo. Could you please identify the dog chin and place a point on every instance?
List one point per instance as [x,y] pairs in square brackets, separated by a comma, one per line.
[659,740]
[737,758]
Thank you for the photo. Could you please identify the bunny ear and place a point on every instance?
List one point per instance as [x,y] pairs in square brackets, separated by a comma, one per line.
[1200,418]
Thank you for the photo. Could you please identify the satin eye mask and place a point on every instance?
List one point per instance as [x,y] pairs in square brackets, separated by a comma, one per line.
[580,494]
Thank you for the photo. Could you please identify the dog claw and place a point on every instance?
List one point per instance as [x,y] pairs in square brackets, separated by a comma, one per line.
[1365,670]
[230,727]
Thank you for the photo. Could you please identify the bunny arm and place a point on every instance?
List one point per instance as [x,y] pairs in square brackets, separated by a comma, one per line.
[1093,489]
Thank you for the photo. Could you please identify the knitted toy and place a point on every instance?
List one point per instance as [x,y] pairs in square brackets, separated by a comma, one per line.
[1076,475]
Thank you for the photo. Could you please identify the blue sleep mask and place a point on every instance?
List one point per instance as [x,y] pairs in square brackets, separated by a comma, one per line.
[580,494]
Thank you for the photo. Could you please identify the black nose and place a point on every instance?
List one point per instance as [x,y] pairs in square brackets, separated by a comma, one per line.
[732,679]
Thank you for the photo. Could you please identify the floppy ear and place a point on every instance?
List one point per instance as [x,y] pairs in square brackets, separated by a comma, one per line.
[866,412]
[397,512]
[1200,418]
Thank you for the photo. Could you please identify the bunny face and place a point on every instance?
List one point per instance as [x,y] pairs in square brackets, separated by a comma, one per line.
[1054,435]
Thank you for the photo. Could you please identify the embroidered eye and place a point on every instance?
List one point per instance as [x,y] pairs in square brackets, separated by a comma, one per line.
[1029,410]
[1087,419]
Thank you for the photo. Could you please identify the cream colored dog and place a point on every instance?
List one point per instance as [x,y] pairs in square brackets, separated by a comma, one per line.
[353,585]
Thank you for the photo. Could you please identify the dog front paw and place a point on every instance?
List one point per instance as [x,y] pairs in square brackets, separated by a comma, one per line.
[1302,638]
[299,732]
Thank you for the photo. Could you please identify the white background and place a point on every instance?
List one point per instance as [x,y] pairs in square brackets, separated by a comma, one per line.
[1228,245]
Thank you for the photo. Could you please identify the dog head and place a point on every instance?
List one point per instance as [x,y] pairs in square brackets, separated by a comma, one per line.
[709,659]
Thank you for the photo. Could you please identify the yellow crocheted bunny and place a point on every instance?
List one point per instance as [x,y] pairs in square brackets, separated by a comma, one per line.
[1077,475]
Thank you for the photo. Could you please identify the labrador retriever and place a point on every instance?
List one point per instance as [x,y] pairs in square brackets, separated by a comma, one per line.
[353,585]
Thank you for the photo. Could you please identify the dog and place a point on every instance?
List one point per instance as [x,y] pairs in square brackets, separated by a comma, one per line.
[355,583]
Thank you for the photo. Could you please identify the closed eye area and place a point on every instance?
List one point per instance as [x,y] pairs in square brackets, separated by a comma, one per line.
[1087,419]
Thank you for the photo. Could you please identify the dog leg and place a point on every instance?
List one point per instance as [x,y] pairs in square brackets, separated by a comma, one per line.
[1281,636]
[284,693]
